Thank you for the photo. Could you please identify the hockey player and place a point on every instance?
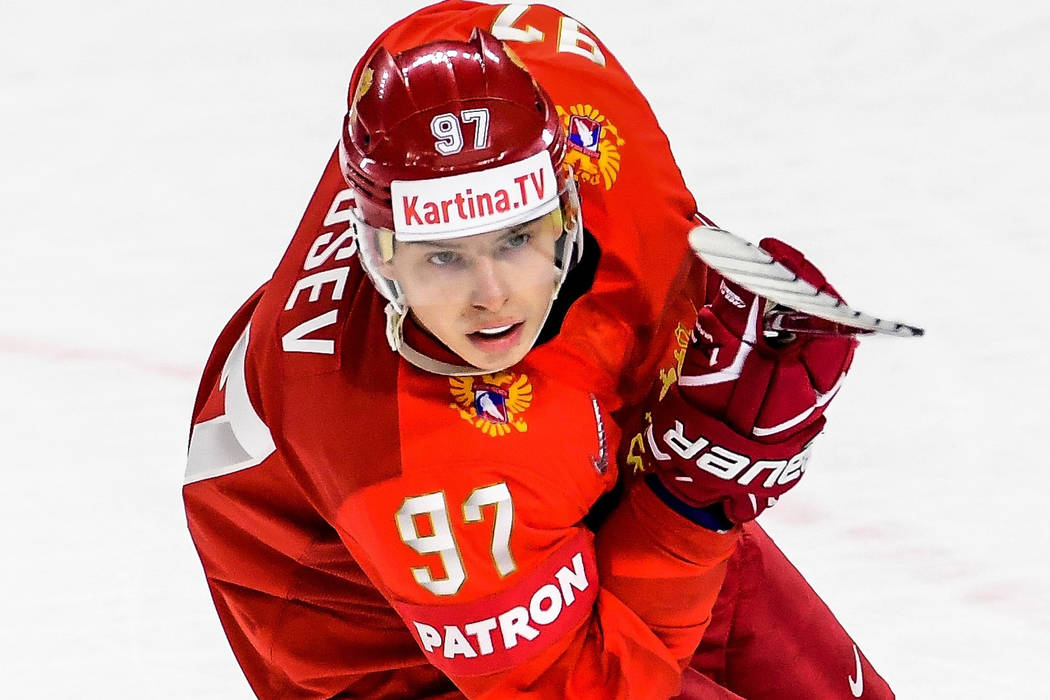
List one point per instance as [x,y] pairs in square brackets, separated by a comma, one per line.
[411,524]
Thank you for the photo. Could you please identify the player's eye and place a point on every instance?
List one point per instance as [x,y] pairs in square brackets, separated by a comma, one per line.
[518,240]
[443,258]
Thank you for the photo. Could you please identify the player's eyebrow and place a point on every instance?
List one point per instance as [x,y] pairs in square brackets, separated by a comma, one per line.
[444,245]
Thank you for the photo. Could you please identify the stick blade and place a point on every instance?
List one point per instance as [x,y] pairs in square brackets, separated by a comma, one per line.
[744,263]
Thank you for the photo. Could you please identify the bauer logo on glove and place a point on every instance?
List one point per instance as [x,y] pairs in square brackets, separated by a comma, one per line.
[723,462]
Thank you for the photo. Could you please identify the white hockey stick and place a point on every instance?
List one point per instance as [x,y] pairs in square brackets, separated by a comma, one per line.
[797,303]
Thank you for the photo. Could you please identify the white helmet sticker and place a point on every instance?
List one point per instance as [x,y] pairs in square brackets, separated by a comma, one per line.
[463,205]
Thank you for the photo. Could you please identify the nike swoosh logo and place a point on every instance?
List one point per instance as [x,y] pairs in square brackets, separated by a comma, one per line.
[857,686]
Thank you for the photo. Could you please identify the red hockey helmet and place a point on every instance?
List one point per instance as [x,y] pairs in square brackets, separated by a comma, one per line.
[452,139]
[421,115]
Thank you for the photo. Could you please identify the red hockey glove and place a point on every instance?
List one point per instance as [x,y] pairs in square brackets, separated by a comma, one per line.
[737,427]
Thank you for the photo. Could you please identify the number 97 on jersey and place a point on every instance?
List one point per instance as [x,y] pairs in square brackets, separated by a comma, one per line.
[424,523]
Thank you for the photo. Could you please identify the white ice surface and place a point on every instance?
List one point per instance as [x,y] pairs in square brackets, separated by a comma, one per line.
[155,158]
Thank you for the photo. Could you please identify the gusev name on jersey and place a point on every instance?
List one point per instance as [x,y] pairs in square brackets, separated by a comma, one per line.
[371,530]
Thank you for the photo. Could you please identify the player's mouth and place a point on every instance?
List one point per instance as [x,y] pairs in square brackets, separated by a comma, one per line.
[496,339]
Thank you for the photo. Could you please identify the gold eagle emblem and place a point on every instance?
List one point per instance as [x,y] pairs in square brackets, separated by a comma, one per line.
[492,403]
[594,144]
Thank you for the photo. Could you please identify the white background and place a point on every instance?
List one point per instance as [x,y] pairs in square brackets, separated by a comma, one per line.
[156,157]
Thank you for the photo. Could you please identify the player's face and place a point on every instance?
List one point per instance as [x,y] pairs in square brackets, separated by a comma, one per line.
[485,296]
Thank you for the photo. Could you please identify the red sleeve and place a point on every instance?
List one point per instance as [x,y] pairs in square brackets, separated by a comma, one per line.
[665,568]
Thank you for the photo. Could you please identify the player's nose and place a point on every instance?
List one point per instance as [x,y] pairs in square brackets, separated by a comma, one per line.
[490,289]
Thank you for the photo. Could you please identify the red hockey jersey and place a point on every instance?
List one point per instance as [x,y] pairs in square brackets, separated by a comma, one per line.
[371,530]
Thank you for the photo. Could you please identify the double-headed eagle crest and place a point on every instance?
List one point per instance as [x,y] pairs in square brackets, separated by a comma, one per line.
[594,144]
[492,403]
